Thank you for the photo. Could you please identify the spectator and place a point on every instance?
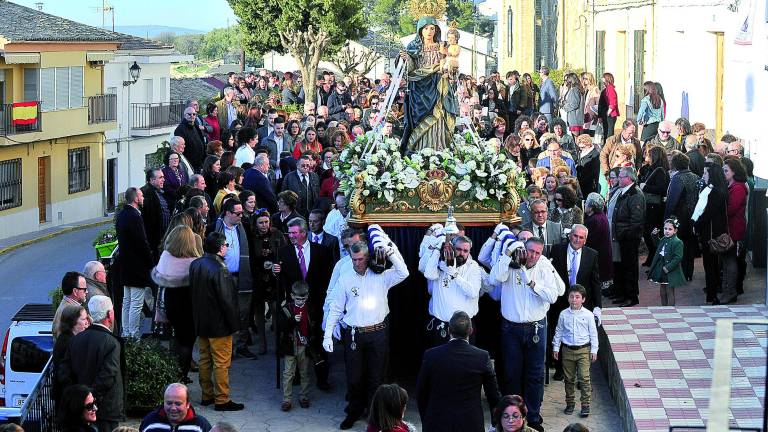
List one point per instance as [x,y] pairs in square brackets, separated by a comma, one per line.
[681,201]
[664,138]
[215,312]
[96,279]
[576,333]
[654,182]
[309,143]
[694,153]
[566,140]
[247,141]
[75,290]
[277,142]
[212,119]
[576,427]
[551,233]
[587,165]
[388,409]
[567,211]
[175,177]
[229,110]
[214,147]
[665,268]
[256,179]
[269,126]
[293,326]
[135,261]
[223,427]
[96,359]
[211,171]
[573,104]
[609,153]
[510,415]
[176,413]
[553,153]
[155,211]
[194,140]
[172,276]
[626,213]
[286,206]
[651,113]
[710,220]
[548,99]
[306,185]
[732,259]
[450,382]
[608,107]
[78,410]
[338,101]
[226,186]
[74,319]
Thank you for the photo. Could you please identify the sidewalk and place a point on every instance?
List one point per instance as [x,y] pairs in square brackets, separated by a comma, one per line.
[12,243]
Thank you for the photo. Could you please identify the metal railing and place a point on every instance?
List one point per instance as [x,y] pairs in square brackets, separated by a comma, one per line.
[38,413]
[155,115]
[102,108]
[24,120]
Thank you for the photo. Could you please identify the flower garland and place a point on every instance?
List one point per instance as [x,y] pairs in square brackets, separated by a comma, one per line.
[477,169]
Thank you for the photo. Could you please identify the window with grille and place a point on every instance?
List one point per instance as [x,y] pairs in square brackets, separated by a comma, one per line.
[10,184]
[79,169]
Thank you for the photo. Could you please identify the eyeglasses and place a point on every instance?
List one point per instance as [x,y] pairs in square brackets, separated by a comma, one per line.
[81,288]
[90,406]
[558,200]
[511,417]
[237,213]
[665,132]
[191,114]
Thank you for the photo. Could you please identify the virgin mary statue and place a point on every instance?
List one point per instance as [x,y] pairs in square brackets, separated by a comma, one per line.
[431,106]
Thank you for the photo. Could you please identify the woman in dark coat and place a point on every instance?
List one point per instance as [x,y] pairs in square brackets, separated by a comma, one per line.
[709,221]
[175,178]
[74,319]
[599,237]
[77,411]
[654,182]
[267,240]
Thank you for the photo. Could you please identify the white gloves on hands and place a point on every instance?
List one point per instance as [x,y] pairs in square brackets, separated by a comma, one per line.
[597,312]
[328,344]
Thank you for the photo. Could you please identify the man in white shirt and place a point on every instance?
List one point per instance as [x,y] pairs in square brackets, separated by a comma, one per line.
[527,289]
[363,294]
[348,237]
[453,281]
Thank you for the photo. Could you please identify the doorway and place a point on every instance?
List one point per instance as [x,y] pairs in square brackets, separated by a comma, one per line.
[44,189]
[111,186]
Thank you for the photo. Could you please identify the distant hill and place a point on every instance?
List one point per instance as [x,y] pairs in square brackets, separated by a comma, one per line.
[151,31]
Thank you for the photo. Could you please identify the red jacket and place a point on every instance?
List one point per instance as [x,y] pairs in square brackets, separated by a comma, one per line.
[737,205]
[402,427]
[214,123]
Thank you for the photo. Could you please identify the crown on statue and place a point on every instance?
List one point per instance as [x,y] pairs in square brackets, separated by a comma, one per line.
[422,8]
[453,24]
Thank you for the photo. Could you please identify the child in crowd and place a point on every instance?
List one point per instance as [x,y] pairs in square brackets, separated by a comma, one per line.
[577,331]
[665,267]
[388,409]
[294,324]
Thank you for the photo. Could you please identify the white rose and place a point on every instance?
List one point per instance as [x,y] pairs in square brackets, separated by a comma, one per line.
[481,194]
[366,192]
[464,185]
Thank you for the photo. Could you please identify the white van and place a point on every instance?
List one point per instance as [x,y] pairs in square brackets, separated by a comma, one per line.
[27,346]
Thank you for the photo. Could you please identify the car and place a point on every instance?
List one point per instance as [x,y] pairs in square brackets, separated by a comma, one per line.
[27,347]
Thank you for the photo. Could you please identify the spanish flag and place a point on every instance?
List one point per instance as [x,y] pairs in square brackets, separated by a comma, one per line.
[24,113]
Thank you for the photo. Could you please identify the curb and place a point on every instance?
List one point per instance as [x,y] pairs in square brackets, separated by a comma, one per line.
[51,235]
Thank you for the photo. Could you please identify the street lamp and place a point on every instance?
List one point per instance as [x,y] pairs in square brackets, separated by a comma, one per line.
[135,72]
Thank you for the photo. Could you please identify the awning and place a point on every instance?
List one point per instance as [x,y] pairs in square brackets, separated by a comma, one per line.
[21,58]
[100,56]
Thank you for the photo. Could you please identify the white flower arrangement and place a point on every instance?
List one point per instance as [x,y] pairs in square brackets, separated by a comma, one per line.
[476,168]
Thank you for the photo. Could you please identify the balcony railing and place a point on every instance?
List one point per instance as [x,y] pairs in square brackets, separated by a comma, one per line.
[102,108]
[38,414]
[20,117]
[156,115]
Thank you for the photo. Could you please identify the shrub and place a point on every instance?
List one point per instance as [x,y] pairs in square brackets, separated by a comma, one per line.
[107,235]
[56,297]
[151,367]
[556,75]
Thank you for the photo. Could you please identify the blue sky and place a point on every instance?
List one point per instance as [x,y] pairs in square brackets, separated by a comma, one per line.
[200,15]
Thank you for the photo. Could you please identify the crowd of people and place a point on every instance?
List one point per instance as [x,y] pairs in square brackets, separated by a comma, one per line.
[244,223]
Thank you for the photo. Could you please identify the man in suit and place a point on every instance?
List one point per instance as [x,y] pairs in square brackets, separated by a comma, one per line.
[682,196]
[266,130]
[547,95]
[257,181]
[229,109]
[449,382]
[609,153]
[551,233]
[155,211]
[626,214]
[576,264]
[515,94]
[318,235]
[194,139]
[277,142]
[135,261]
[303,260]
[305,183]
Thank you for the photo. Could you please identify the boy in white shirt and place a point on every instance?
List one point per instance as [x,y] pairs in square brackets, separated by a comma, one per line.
[577,332]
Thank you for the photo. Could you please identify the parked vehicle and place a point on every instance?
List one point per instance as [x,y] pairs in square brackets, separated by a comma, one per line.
[27,347]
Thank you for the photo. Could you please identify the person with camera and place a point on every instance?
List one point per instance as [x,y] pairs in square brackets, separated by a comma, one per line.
[363,294]
[454,281]
[528,286]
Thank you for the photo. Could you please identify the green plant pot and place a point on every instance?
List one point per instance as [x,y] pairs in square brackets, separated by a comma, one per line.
[105,250]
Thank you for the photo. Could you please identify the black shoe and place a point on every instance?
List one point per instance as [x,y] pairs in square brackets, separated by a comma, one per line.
[324,386]
[584,411]
[229,406]
[206,402]
[619,300]
[186,380]
[536,426]
[607,292]
[245,352]
[568,409]
[630,303]
[348,422]
[558,376]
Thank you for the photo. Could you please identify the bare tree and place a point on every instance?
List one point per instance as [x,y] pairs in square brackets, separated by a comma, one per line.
[349,59]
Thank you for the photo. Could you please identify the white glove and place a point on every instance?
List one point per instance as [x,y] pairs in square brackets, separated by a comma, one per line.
[435,227]
[328,344]
[597,313]
[512,244]
[439,232]
[447,269]
[500,228]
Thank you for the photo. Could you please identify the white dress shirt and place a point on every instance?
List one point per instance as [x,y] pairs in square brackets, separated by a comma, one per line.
[520,303]
[364,297]
[569,257]
[316,238]
[305,248]
[342,266]
[543,230]
[244,154]
[576,328]
[452,288]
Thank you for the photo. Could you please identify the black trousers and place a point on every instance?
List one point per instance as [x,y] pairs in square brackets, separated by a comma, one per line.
[628,270]
[178,308]
[690,249]
[438,335]
[712,271]
[365,366]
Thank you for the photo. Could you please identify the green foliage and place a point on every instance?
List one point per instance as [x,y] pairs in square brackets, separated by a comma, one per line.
[107,235]
[56,296]
[461,11]
[151,367]
[218,42]
[261,21]
[392,16]
[556,75]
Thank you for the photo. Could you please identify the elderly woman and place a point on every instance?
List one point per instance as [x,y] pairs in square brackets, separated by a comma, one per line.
[599,237]
[286,206]
[226,185]
[215,148]
[510,415]
[566,211]
[175,177]
[267,240]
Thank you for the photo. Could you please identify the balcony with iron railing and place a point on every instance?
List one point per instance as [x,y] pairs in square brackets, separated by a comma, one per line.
[102,108]
[20,118]
[149,119]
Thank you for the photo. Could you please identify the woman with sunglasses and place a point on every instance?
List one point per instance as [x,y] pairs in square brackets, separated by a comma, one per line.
[77,412]
[509,415]
[267,240]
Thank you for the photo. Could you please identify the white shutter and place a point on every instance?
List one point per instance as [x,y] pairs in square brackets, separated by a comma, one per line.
[76,87]
[48,88]
[62,88]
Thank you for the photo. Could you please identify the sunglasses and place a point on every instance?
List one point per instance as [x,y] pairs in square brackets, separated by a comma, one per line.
[90,406]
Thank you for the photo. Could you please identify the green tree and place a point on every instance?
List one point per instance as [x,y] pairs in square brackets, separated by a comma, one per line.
[462,12]
[391,16]
[218,42]
[307,29]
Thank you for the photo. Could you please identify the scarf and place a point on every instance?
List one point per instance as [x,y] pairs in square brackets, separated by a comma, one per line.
[701,204]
